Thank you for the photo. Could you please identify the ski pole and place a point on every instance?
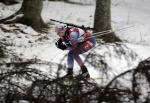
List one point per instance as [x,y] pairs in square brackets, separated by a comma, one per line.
[111,30]
[98,34]
[101,32]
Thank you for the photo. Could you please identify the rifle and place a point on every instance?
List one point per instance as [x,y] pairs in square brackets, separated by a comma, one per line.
[74,25]
[97,34]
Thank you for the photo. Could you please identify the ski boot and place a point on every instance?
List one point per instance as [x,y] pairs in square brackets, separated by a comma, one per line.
[85,74]
[69,73]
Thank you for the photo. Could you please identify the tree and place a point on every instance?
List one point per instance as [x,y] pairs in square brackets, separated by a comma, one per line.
[102,20]
[31,10]
[32,13]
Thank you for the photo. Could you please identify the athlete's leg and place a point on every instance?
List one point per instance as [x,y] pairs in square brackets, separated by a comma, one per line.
[70,63]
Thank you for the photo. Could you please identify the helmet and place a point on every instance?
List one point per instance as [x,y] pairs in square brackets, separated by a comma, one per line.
[60,27]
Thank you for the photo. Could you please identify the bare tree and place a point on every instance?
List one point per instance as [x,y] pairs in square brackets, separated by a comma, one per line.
[29,14]
[32,13]
[102,20]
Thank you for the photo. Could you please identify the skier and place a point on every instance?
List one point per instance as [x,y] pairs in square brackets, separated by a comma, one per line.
[77,42]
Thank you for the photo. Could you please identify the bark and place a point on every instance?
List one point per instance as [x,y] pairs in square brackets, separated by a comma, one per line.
[102,20]
[29,14]
[32,13]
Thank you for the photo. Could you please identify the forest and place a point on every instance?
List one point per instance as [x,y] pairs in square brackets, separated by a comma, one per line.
[32,67]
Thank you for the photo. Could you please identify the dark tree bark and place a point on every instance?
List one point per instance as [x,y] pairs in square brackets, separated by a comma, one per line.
[32,13]
[102,20]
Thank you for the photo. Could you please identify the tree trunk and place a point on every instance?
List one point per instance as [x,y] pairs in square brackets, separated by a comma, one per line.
[102,20]
[32,13]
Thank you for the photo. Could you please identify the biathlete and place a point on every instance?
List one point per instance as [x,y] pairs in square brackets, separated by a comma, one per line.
[77,41]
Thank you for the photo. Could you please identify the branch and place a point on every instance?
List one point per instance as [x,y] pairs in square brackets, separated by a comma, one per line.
[11,16]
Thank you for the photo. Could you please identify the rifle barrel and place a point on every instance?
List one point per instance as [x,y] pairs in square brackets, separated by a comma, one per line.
[70,24]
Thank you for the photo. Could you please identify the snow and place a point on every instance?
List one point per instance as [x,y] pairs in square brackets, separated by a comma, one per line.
[66,12]
[135,13]
[125,13]
[23,101]
[9,10]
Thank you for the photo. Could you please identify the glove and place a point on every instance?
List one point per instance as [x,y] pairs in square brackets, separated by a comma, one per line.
[59,44]
[67,42]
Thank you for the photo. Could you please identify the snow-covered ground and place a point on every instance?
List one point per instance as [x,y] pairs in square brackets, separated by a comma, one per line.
[125,13]
[133,13]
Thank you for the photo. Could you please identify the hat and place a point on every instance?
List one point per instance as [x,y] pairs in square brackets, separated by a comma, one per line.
[60,27]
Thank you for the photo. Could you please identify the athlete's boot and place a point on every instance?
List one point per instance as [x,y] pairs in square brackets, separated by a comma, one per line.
[85,74]
[69,72]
